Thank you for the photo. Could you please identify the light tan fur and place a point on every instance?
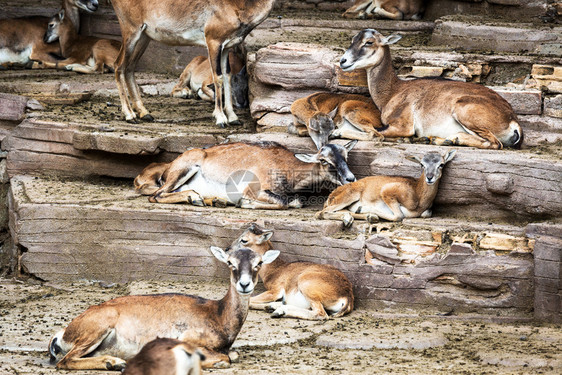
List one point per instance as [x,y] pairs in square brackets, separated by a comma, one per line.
[388,197]
[449,112]
[271,174]
[21,39]
[197,77]
[393,9]
[217,24]
[164,356]
[325,289]
[325,115]
[83,54]
[108,334]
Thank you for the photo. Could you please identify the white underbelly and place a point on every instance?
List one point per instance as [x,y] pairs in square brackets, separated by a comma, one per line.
[379,208]
[297,299]
[189,37]
[7,55]
[206,188]
[444,127]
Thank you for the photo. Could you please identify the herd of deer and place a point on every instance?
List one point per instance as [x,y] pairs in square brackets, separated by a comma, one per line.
[179,334]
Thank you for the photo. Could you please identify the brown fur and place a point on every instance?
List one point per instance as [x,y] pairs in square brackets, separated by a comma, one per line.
[78,50]
[393,9]
[17,34]
[90,340]
[363,199]
[158,357]
[321,285]
[449,112]
[313,115]
[217,24]
[278,171]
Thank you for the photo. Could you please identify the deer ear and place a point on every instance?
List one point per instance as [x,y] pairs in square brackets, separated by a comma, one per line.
[307,158]
[333,113]
[61,14]
[219,253]
[349,146]
[265,237]
[450,155]
[391,39]
[413,158]
[270,256]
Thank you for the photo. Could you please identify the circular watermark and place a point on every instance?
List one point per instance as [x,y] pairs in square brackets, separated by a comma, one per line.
[242,184]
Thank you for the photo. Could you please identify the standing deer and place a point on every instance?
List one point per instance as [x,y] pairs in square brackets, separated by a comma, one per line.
[21,39]
[387,197]
[83,54]
[393,9]
[196,80]
[452,112]
[301,290]
[261,175]
[325,115]
[164,356]
[106,335]
[217,24]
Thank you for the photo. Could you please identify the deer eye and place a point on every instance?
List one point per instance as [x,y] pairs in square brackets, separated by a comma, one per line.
[324,162]
[244,242]
[441,166]
[368,43]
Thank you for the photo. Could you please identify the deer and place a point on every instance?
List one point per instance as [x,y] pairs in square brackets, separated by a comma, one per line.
[105,336]
[165,356]
[329,115]
[302,290]
[393,9]
[21,39]
[196,80]
[262,175]
[220,25]
[388,197]
[83,54]
[444,111]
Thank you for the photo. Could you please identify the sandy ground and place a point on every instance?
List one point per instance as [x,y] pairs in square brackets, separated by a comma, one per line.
[363,342]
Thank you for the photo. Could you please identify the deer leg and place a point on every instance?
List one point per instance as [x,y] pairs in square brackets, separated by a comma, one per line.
[264,201]
[227,85]
[122,66]
[357,10]
[394,14]
[182,89]
[316,312]
[73,360]
[186,196]
[176,178]
[215,51]
[132,86]
[205,92]
[263,300]
[214,359]
[393,213]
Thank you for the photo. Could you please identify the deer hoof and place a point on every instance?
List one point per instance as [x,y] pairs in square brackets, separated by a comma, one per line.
[132,120]
[278,313]
[221,203]
[117,366]
[221,125]
[221,364]
[234,357]
[347,220]
[448,142]
[147,118]
[235,123]
[372,218]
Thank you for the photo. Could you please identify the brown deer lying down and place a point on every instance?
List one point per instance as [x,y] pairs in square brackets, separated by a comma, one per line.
[262,175]
[393,9]
[197,80]
[451,112]
[83,54]
[324,115]
[106,335]
[387,197]
[21,39]
[301,290]
[165,356]
[217,24]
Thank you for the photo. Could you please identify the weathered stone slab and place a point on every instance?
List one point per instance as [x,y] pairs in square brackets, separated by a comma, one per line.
[553,106]
[523,102]
[12,107]
[494,37]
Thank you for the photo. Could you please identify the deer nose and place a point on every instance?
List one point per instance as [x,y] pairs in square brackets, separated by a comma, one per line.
[351,179]
[343,60]
[244,284]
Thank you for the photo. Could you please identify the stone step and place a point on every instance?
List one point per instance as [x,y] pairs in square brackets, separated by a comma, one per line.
[504,184]
[70,230]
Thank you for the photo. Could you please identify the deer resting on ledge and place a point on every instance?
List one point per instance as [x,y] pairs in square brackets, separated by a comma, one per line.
[262,175]
[450,112]
[387,197]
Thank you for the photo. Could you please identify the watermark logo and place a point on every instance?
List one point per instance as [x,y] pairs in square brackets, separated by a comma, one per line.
[242,184]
